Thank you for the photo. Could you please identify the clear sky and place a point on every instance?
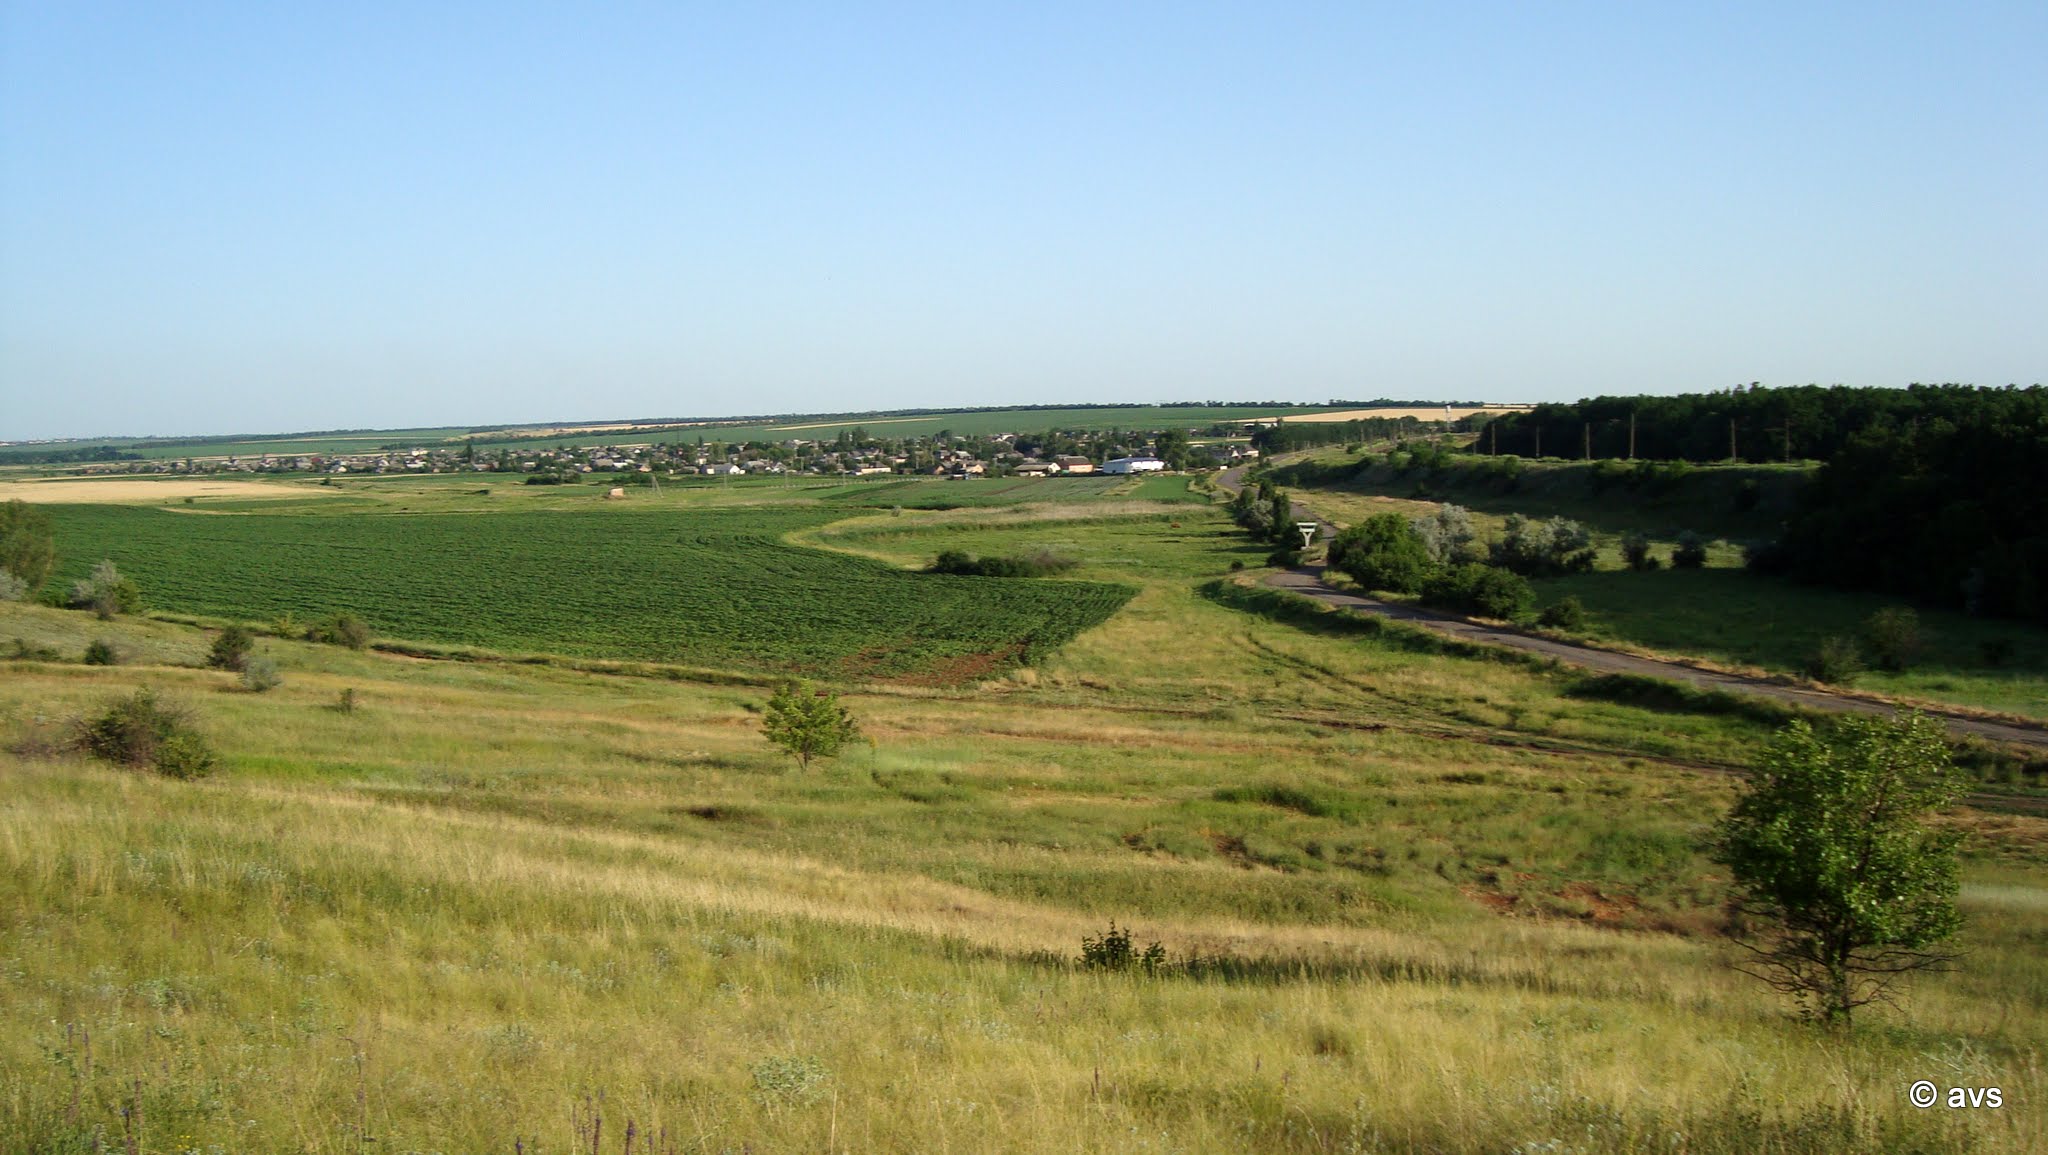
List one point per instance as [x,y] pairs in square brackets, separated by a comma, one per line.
[243,217]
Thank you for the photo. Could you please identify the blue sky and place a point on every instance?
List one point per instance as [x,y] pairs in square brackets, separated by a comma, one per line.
[221,217]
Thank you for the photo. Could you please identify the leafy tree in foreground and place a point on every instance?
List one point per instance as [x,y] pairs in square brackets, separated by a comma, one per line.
[808,723]
[28,544]
[1840,884]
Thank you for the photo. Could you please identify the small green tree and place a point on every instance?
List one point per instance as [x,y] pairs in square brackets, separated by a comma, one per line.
[808,723]
[1840,884]
[231,649]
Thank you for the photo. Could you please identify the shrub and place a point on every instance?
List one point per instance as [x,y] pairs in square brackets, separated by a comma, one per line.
[29,651]
[102,653]
[1284,558]
[106,592]
[1447,533]
[1566,614]
[1112,951]
[231,649]
[1483,590]
[141,730]
[340,630]
[1384,553]
[260,674]
[1690,552]
[1542,548]
[184,755]
[1892,635]
[1635,550]
[346,702]
[12,588]
[1836,660]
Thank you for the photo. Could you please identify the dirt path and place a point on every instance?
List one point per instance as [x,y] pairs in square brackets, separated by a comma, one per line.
[1308,582]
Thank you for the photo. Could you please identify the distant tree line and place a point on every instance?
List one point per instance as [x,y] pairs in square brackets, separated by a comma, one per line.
[88,453]
[1286,438]
[1755,424]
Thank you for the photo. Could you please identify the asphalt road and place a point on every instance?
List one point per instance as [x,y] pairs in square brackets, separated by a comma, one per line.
[1308,582]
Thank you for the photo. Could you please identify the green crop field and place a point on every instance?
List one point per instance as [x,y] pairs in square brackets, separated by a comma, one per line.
[709,587]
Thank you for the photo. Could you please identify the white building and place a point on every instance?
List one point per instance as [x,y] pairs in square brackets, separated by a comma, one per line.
[1133,465]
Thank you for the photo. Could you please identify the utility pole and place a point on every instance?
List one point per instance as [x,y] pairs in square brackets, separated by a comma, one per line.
[1539,440]
[1586,428]
[1631,435]
[1733,457]
[1493,438]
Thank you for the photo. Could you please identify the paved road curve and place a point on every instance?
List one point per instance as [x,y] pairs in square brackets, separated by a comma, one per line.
[1308,582]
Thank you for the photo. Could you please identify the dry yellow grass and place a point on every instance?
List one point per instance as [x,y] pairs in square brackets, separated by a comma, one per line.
[134,490]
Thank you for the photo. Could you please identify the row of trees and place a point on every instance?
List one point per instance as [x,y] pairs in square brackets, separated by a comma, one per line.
[1286,437]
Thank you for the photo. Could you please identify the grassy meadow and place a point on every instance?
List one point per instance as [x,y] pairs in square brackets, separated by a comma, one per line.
[1411,900]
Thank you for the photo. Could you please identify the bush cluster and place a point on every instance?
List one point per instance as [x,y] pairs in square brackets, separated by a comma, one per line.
[1044,563]
[143,731]
[340,630]
[1889,640]
[1543,548]
[106,592]
[1483,590]
[1267,514]
[1431,556]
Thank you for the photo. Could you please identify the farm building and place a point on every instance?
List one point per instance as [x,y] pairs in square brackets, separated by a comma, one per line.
[1133,465]
[1070,464]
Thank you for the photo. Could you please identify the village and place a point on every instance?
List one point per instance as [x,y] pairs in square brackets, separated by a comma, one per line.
[852,453]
